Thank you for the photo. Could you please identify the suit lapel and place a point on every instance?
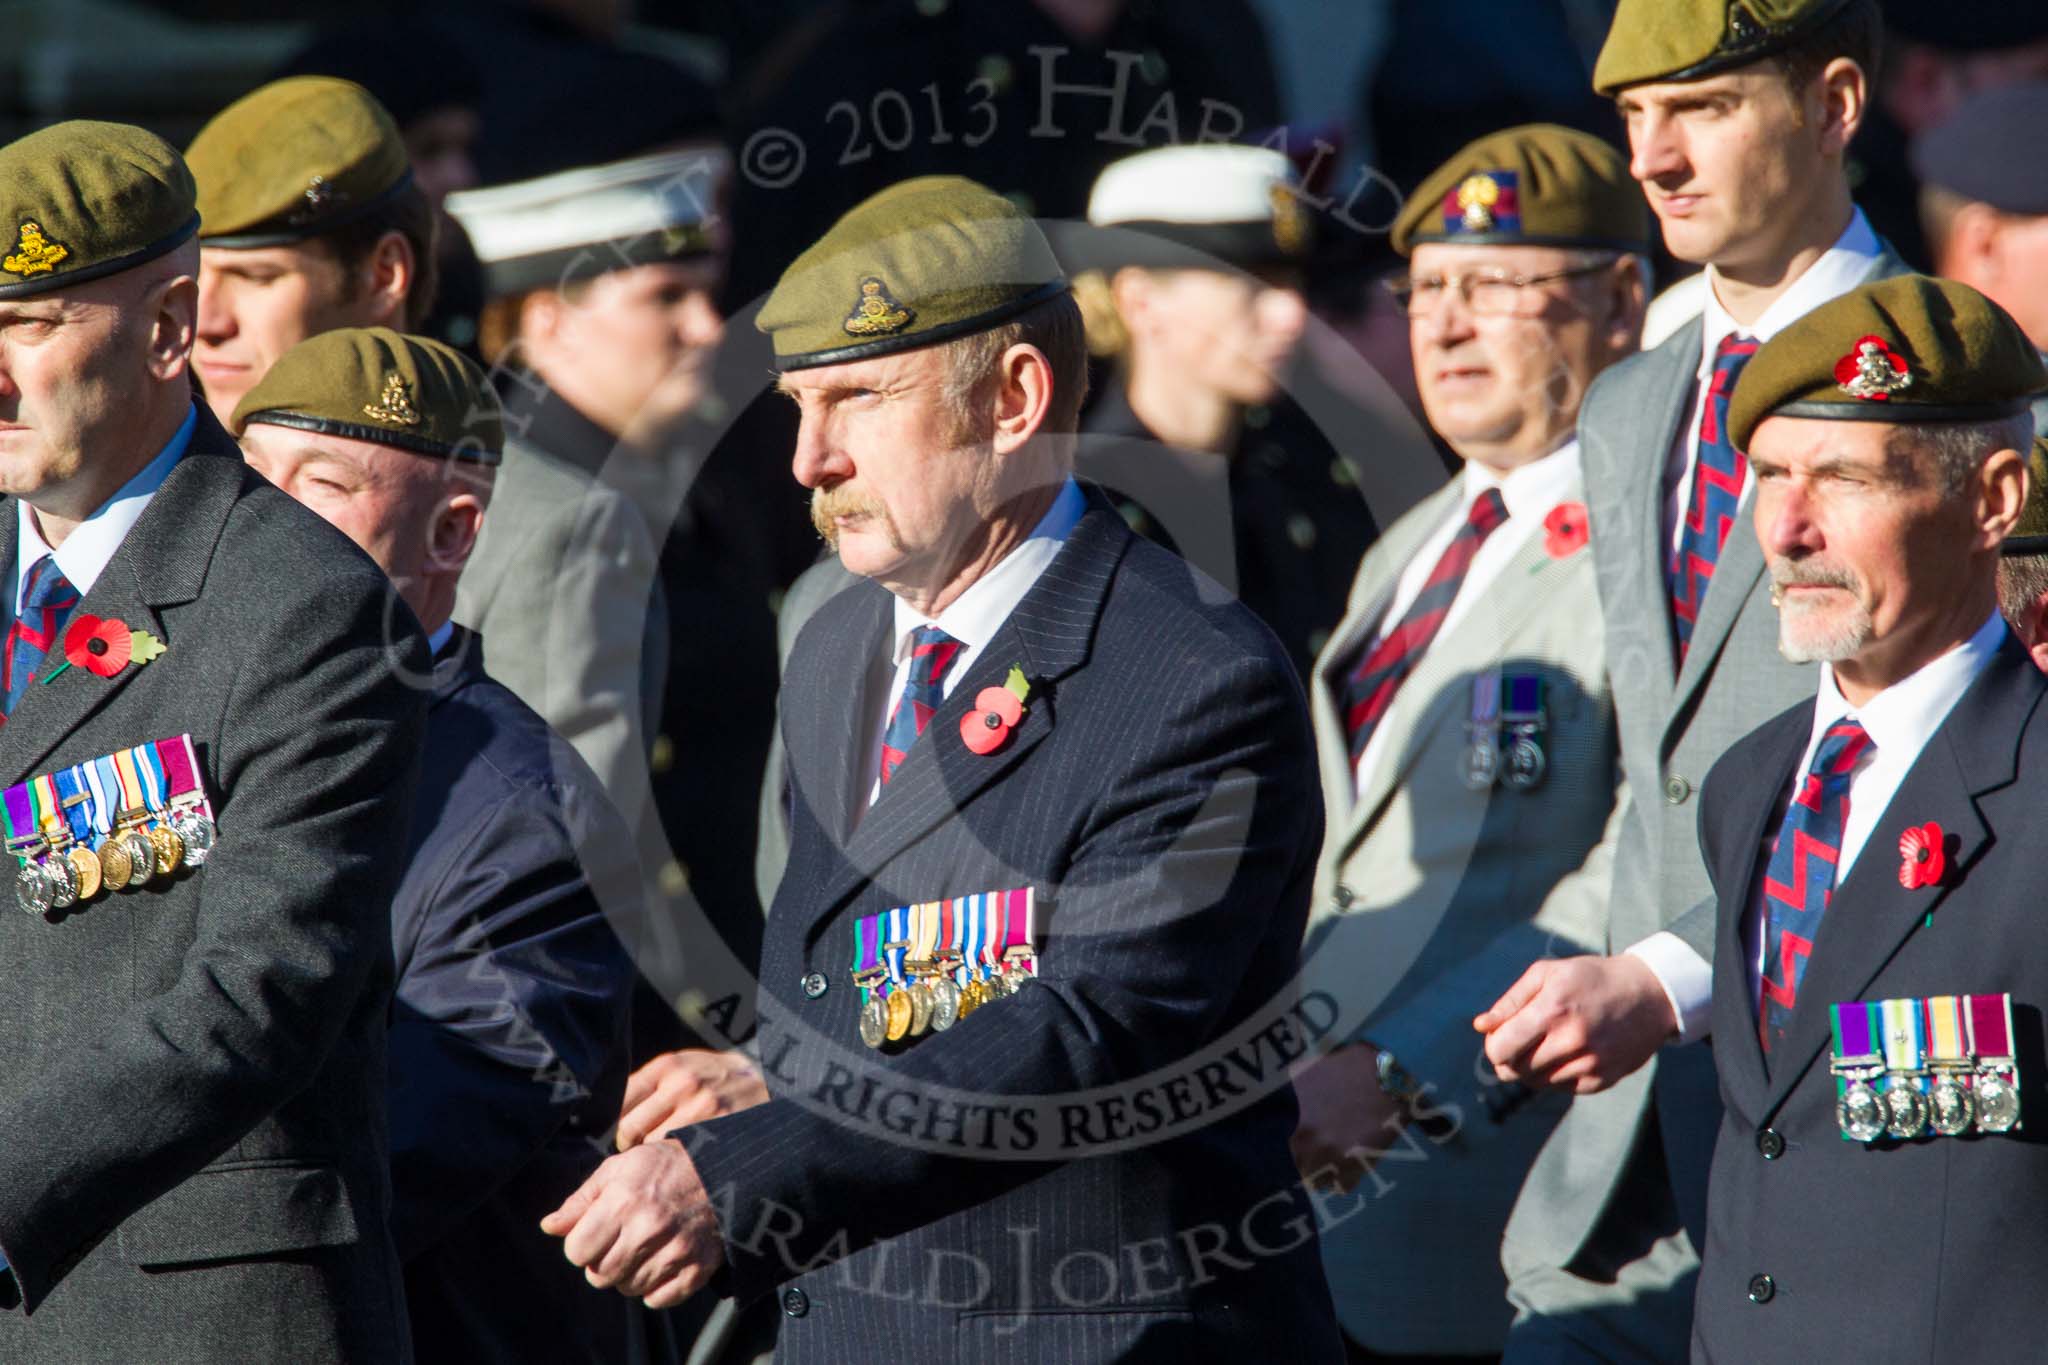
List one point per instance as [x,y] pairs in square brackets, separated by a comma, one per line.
[1048,635]
[826,693]
[1378,576]
[1438,692]
[1975,751]
[161,562]
[1679,361]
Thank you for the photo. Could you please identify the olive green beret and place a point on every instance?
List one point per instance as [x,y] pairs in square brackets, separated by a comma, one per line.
[297,158]
[1906,349]
[374,384]
[1685,40]
[1537,185]
[80,200]
[921,262]
[2030,535]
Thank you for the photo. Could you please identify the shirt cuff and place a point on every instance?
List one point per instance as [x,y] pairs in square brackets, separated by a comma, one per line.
[1686,977]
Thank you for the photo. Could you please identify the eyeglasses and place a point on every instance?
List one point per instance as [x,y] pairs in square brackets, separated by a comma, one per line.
[1489,293]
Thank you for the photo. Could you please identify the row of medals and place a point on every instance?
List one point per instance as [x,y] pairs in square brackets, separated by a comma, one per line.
[932,1002]
[1959,1097]
[134,855]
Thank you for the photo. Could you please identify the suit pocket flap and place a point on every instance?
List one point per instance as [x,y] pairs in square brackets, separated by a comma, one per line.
[242,1211]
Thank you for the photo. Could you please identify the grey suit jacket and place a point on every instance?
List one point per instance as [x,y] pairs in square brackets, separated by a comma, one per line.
[193,1161]
[1675,722]
[1432,898]
[563,585]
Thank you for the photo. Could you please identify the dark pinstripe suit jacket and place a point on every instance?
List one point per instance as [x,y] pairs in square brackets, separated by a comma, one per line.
[1160,796]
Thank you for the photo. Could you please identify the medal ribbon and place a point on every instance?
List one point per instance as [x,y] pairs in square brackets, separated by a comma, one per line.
[131,782]
[181,769]
[1019,932]
[48,810]
[866,935]
[1485,703]
[21,829]
[149,766]
[1991,1027]
[106,793]
[1902,1044]
[76,799]
[996,938]
[970,911]
[1525,698]
[895,946]
[1945,1030]
[924,929]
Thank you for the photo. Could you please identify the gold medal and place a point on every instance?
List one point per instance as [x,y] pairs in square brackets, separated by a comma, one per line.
[86,866]
[168,847]
[116,867]
[899,1016]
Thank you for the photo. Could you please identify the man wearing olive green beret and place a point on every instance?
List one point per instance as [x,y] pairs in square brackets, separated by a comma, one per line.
[1877,1011]
[310,220]
[193,1159]
[1739,114]
[1053,737]
[508,1037]
[1463,839]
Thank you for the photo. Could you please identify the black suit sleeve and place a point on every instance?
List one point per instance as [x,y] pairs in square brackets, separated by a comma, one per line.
[511,1013]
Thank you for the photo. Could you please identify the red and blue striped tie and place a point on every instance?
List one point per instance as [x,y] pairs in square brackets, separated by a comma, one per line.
[1716,492]
[932,652]
[1801,876]
[46,601]
[1370,689]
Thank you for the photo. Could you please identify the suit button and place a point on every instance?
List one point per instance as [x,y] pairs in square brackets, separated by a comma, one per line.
[1762,1288]
[1676,789]
[796,1303]
[1342,896]
[814,985]
[1771,1143]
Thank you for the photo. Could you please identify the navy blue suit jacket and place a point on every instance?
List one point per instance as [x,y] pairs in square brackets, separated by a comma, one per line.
[1076,1172]
[1929,1249]
[508,1033]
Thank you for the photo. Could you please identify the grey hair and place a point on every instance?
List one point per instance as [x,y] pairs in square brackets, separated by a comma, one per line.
[1960,448]
[1054,327]
[2022,579]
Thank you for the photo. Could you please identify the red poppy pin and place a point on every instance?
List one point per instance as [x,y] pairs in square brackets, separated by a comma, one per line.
[1564,530]
[996,712]
[1873,370]
[105,646]
[1923,857]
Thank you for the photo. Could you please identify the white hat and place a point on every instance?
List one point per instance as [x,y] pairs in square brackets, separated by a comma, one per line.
[1239,204]
[578,223]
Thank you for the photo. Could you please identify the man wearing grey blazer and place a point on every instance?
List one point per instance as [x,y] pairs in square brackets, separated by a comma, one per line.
[193,1153]
[1740,149]
[1466,739]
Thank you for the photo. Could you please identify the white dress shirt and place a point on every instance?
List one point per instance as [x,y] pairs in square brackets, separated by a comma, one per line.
[976,615]
[1899,720]
[1530,492]
[1837,271]
[92,542]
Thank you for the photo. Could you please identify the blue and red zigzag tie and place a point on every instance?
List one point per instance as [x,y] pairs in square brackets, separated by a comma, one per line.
[46,603]
[1800,878]
[1716,492]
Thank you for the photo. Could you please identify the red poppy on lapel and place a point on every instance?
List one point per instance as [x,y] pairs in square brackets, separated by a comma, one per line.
[996,712]
[1924,859]
[104,646]
[1565,531]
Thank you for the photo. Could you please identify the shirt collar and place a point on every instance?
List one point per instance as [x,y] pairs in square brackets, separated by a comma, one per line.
[1902,718]
[1529,490]
[1840,268]
[438,641]
[975,615]
[92,542]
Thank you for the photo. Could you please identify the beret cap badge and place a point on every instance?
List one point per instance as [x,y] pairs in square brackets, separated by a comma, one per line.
[876,312]
[1873,371]
[34,254]
[320,195]
[1476,198]
[394,405]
